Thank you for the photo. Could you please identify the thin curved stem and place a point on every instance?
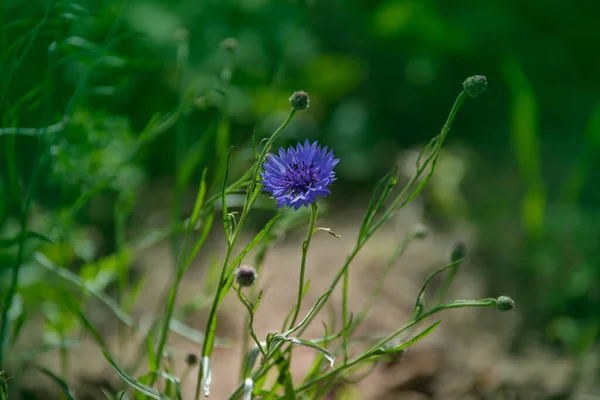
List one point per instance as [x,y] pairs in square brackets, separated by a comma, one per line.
[249,201]
[311,229]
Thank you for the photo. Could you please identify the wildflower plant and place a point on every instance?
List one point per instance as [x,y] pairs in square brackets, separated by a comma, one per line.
[296,177]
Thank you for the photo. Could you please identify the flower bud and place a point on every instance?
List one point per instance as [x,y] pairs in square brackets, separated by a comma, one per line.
[459,252]
[245,275]
[229,44]
[505,303]
[299,100]
[419,231]
[191,359]
[475,85]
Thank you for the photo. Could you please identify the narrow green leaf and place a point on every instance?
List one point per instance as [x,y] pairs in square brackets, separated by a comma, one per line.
[150,347]
[32,354]
[62,384]
[317,306]
[254,241]
[134,292]
[23,237]
[203,235]
[76,309]
[420,302]
[176,383]
[19,323]
[380,194]
[328,230]
[108,394]
[3,386]
[285,378]
[199,199]
[250,361]
[147,390]
[76,280]
[226,224]
[257,302]
[326,353]
[414,340]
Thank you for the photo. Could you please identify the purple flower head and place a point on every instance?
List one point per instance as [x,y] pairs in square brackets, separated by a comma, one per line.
[299,175]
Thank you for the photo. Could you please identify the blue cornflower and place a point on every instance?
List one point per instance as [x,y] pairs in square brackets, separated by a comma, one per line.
[299,175]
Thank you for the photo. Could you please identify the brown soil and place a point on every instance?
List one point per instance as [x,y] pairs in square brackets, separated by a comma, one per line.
[467,357]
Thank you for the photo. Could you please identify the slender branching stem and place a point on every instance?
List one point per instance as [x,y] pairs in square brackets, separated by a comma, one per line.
[314,211]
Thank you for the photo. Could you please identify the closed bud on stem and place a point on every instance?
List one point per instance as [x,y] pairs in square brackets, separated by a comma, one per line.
[245,275]
[299,100]
[419,231]
[475,85]
[459,252]
[229,44]
[191,359]
[505,303]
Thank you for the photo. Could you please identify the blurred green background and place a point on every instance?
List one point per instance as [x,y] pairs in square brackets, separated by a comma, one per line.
[139,92]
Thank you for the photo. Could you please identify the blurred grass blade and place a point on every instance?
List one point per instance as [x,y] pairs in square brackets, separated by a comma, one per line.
[62,384]
[75,308]
[150,348]
[227,226]
[147,390]
[380,194]
[32,354]
[525,141]
[71,277]
[284,378]
[250,360]
[583,166]
[3,386]
[176,383]
[199,199]
[22,237]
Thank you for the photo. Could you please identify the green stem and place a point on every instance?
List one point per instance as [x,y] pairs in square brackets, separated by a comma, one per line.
[250,324]
[249,201]
[398,202]
[311,229]
[378,288]
[384,341]
[345,312]
[446,284]
[14,283]
[64,364]
[369,353]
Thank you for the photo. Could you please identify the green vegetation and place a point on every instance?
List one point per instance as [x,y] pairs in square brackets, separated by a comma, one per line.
[102,102]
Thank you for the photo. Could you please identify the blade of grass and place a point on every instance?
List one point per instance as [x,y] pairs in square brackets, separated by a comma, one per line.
[61,383]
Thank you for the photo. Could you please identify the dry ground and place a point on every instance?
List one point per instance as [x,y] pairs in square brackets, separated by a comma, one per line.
[467,357]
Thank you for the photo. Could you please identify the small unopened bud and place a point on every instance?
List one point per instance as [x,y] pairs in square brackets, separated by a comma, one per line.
[505,303]
[475,85]
[419,231]
[245,275]
[459,252]
[191,359]
[299,100]
[229,44]
[182,35]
